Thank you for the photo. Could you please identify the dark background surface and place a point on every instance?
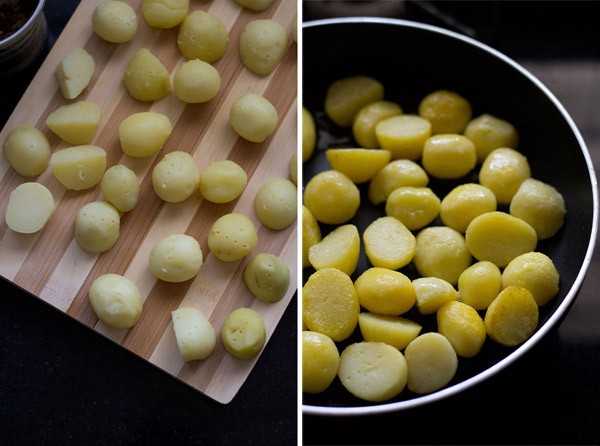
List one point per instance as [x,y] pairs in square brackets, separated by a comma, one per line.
[552,394]
[63,384]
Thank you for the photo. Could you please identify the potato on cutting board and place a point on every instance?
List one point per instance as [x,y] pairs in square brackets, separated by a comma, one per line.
[74,72]
[196,338]
[29,207]
[75,123]
[79,167]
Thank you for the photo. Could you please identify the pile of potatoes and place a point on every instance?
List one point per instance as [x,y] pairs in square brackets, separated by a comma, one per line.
[202,39]
[471,253]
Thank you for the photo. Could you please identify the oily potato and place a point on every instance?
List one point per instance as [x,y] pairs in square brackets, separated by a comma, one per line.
[175,177]
[415,207]
[120,187]
[267,277]
[431,362]
[253,117]
[276,204]
[146,78]
[536,272]
[232,237]
[462,325]
[503,171]
[176,258]
[75,123]
[332,197]
[395,174]
[360,165]
[346,97]
[243,333]
[203,36]
[448,156]
[385,291]
[479,284]
[320,361]
[489,132]
[195,335]
[27,150]
[389,243]
[465,202]
[363,125]
[79,167]
[392,330]
[311,234]
[309,134]
[97,227]
[262,45]
[431,293]
[115,21]
[403,135]
[447,111]
[116,300]
[339,249]
[30,206]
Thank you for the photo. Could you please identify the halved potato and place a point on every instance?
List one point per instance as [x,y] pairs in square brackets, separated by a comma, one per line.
[360,165]
[29,207]
[79,167]
[74,72]
[75,123]
[338,249]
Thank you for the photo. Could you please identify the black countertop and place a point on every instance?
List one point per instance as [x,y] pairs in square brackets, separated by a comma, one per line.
[552,394]
[63,384]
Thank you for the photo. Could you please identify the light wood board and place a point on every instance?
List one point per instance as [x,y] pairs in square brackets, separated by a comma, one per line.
[51,265]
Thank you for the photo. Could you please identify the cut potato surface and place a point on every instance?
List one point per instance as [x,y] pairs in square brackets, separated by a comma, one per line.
[512,317]
[332,197]
[388,243]
[74,72]
[29,208]
[320,361]
[75,123]
[404,135]
[27,150]
[463,327]
[384,291]
[346,97]
[330,304]
[373,371]
[499,237]
[311,234]
[431,362]
[503,171]
[339,249]
[195,335]
[431,293]
[116,300]
[363,126]
[392,330]
[535,272]
[360,165]
[415,207]
[397,173]
[79,167]
[243,333]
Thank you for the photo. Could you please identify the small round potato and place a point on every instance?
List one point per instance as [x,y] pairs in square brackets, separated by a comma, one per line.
[202,36]
[97,226]
[415,207]
[30,205]
[535,272]
[345,97]
[385,291]
[293,168]
[243,333]
[447,111]
[479,284]
[403,135]
[262,45]
[253,117]
[503,171]
[431,363]
[393,175]
[27,150]
[222,181]
[449,156]
[464,203]
[488,133]
[116,300]
[255,5]
[120,187]
[175,177]
[165,14]
[176,258]
[267,277]
[332,197]
[232,237]
[463,327]
[363,126]
[309,134]
[114,21]
[320,361]
[276,204]
[196,81]
[195,335]
[146,78]
[143,134]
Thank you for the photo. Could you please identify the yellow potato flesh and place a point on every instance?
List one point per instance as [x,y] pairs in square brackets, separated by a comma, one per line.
[535,272]
[431,293]
[332,197]
[262,45]
[79,167]
[176,258]
[503,171]
[195,335]
[363,126]
[243,333]
[448,156]
[488,133]
[311,234]
[388,243]
[165,14]
[203,36]
[75,123]
[97,227]
[393,175]
[479,284]
[74,72]
[392,330]
[447,111]
[463,327]
[385,291]
[232,237]
[320,362]
[464,203]
[339,249]
[275,203]
[144,133]
[431,362]
[116,300]
[404,135]
[415,207]
[309,134]
[360,165]
[345,98]
[27,150]
[146,78]
[120,187]
[30,205]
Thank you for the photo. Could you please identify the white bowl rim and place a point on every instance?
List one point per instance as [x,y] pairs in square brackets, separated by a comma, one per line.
[564,305]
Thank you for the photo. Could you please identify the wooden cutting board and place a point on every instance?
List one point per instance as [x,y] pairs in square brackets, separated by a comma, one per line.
[51,265]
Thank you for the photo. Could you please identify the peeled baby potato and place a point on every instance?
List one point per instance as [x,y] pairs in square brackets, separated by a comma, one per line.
[196,81]
[388,243]
[363,126]
[503,171]
[120,187]
[175,177]
[144,133]
[79,167]
[116,300]
[464,203]
[146,78]
[462,326]
[535,272]
[512,317]
[203,36]
[431,362]
[195,335]
[540,205]
[360,165]
[262,45]
[403,135]
[330,304]
[447,111]
[339,249]
[27,150]
[243,333]
[276,204]
[479,284]
[345,97]
[267,277]
[332,197]
[97,227]
[75,123]
[441,252]
[320,361]
[253,117]
[372,371]
[448,156]
[415,207]
[392,330]
[393,175]
[114,21]
[385,291]
[431,293]
[176,258]
[255,5]
[309,134]
[232,237]
[222,181]
[29,208]
[311,234]
[499,237]
[293,168]
[74,72]
[165,14]
[488,133]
